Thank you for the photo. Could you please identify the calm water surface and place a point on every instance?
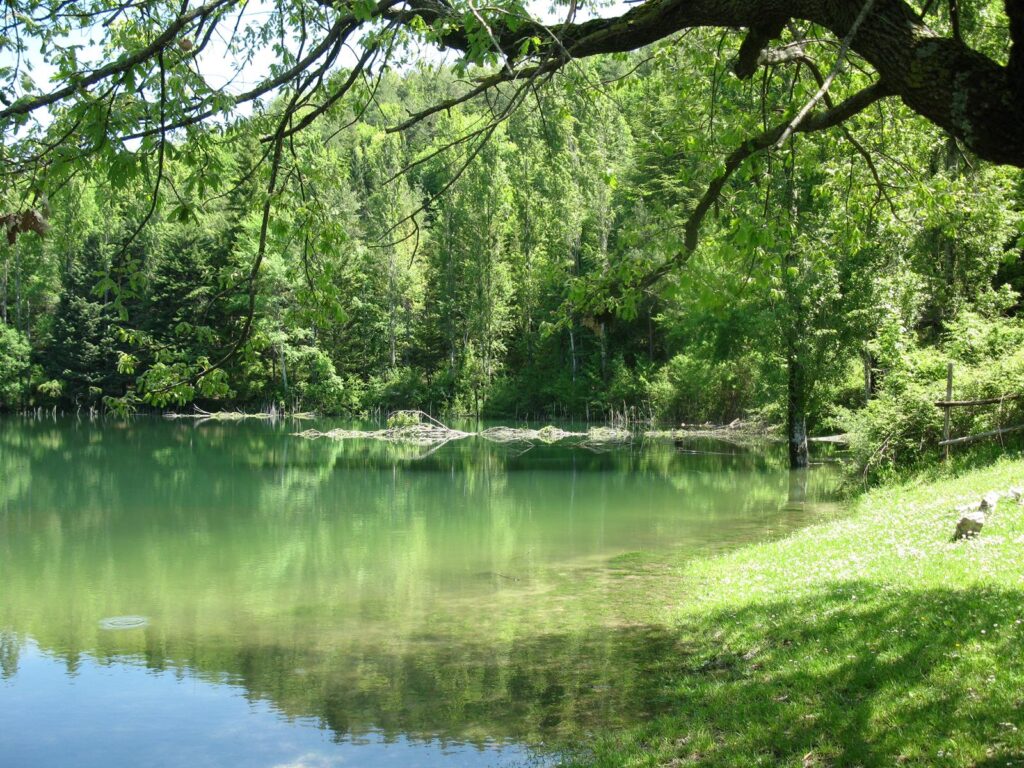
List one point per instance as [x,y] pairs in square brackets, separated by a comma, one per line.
[230,595]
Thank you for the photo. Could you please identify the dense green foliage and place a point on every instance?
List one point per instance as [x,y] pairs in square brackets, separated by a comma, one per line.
[14,361]
[901,427]
[509,276]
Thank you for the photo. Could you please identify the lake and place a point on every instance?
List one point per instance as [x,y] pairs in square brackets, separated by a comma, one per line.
[174,594]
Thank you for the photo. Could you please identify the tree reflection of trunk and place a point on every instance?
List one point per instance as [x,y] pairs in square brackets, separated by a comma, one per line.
[797,487]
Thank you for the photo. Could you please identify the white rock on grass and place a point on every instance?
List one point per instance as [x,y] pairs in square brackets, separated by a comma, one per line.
[970,525]
[989,501]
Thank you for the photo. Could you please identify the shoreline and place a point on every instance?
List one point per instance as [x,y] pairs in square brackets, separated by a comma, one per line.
[871,639]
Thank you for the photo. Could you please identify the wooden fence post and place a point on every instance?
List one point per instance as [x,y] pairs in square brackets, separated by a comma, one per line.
[949,397]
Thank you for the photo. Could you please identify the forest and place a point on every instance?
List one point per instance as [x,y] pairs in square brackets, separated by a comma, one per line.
[536,274]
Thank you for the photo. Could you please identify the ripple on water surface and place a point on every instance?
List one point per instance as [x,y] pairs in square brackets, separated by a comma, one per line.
[124,622]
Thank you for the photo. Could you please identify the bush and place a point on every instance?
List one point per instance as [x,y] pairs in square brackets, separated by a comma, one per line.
[901,427]
[630,387]
[402,419]
[14,364]
[316,383]
[399,387]
[696,390]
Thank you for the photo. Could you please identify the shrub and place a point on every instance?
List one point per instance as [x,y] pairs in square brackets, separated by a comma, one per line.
[316,383]
[901,427]
[692,389]
[401,419]
[399,387]
[14,364]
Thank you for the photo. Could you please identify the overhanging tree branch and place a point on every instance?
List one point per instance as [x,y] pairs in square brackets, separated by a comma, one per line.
[943,79]
[968,94]
[765,140]
[823,88]
[147,53]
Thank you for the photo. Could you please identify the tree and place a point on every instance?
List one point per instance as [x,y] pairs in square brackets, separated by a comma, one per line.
[14,363]
[81,352]
[422,235]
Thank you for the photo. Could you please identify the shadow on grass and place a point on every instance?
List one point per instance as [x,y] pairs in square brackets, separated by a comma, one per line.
[851,677]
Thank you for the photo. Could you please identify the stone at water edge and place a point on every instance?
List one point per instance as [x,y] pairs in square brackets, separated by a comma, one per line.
[970,525]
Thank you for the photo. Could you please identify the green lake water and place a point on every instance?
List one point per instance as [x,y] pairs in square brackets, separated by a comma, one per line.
[231,595]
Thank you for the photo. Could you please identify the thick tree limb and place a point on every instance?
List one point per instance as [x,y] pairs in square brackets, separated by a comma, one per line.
[974,98]
[943,79]
[765,140]
[749,57]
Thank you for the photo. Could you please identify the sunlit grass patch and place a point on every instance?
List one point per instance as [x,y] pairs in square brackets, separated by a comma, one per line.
[870,640]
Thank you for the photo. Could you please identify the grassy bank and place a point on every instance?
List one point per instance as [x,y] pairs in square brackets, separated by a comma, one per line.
[869,640]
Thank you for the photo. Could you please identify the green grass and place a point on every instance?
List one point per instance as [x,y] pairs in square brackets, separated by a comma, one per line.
[872,640]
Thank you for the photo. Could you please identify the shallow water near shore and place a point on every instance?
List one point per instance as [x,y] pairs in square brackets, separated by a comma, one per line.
[230,595]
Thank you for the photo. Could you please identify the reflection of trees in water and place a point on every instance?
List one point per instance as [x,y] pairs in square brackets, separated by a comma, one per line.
[16,471]
[10,651]
[529,688]
[526,690]
[245,520]
[798,481]
[345,581]
[146,464]
[176,447]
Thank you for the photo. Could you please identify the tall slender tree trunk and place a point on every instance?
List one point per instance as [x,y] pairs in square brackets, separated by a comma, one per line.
[796,376]
[3,294]
[392,307]
[796,410]
[17,291]
[572,352]
[650,336]
[869,375]
[284,369]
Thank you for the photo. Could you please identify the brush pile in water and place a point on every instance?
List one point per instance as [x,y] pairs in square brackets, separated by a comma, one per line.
[546,434]
[403,427]
[200,416]
[419,428]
